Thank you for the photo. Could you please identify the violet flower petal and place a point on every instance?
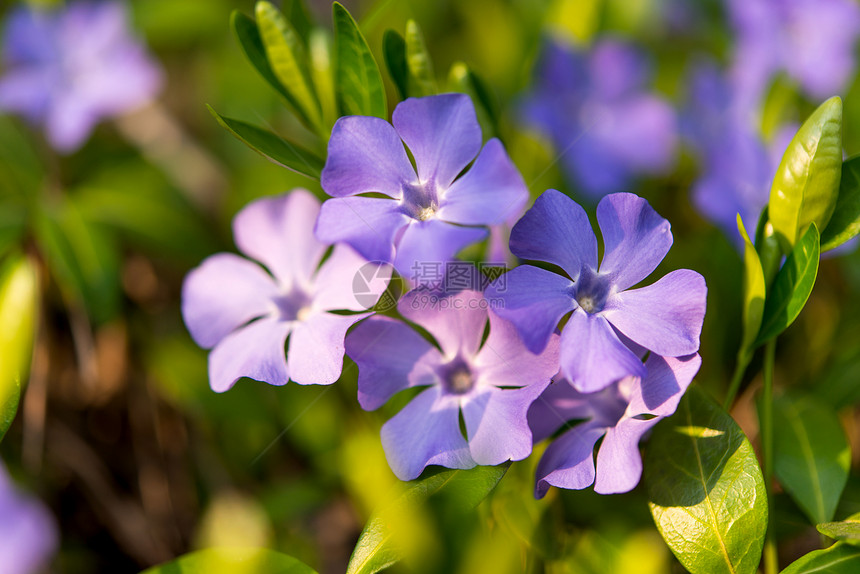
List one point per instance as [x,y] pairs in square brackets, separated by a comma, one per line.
[667,381]
[665,317]
[635,238]
[432,240]
[255,351]
[347,281]
[505,361]
[369,224]
[28,532]
[569,461]
[365,154]
[316,350]
[426,431]
[456,321]
[443,134]
[619,464]
[224,292]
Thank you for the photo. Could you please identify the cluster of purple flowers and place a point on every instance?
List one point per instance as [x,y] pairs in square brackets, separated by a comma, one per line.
[501,368]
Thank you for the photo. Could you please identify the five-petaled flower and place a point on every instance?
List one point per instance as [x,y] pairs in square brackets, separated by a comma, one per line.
[70,68]
[491,384]
[621,413]
[429,213]
[244,314]
[665,317]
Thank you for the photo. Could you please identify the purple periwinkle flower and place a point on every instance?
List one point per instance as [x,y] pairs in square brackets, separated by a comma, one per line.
[604,124]
[244,314]
[69,68]
[621,413]
[28,532]
[491,384]
[428,212]
[813,41]
[664,317]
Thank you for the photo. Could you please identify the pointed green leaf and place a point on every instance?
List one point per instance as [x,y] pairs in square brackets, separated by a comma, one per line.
[234,561]
[252,44]
[288,59]
[273,147]
[19,303]
[838,559]
[462,79]
[378,547]
[806,184]
[394,54]
[705,489]
[847,530]
[845,223]
[791,287]
[754,294]
[811,454]
[358,83]
[419,63]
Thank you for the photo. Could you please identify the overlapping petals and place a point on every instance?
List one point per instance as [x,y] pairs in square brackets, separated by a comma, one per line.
[665,317]
[621,413]
[491,384]
[429,213]
[245,314]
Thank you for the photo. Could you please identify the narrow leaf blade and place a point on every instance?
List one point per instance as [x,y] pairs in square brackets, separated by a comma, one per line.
[273,147]
[235,561]
[847,530]
[838,559]
[419,62]
[811,454]
[754,292]
[791,287]
[358,82]
[706,490]
[394,54]
[252,45]
[845,223]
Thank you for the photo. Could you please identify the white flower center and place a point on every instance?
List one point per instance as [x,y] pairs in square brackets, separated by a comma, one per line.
[303,313]
[587,303]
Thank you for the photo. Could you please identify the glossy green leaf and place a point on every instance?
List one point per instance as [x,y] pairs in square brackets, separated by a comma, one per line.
[847,530]
[462,79]
[706,490]
[394,54]
[806,184]
[19,304]
[234,561]
[791,287]
[838,559]
[378,547]
[811,454]
[419,63]
[273,147]
[288,59]
[753,293]
[845,223]
[252,44]
[358,83]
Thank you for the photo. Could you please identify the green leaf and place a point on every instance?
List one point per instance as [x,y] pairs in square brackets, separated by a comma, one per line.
[462,79]
[847,530]
[811,454]
[838,559]
[378,546]
[234,561]
[754,294]
[419,63]
[845,223]
[273,147]
[806,184]
[791,287]
[287,57]
[394,54]
[19,304]
[252,44]
[706,490]
[358,83]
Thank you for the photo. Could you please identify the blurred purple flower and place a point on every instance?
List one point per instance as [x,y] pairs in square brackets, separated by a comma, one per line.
[28,533]
[603,123]
[492,385]
[231,305]
[665,317]
[429,215]
[620,413]
[70,68]
[813,41]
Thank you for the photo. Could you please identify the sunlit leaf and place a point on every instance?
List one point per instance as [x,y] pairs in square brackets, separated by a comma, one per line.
[838,559]
[706,490]
[791,287]
[233,561]
[806,184]
[378,547]
[847,530]
[273,147]
[462,79]
[19,299]
[252,44]
[845,223]
[419,63]
[811,454]
[753,293]
[358,83]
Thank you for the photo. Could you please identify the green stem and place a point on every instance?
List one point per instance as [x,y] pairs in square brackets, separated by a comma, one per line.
[737,377]
[771,565]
